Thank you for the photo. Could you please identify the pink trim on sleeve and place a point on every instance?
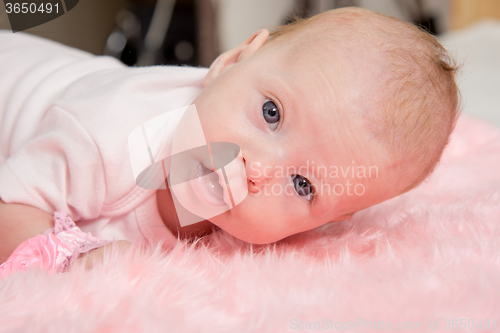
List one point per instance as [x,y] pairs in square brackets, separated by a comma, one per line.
[54,250]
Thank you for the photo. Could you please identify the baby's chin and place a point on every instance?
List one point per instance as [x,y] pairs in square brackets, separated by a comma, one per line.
[253,234]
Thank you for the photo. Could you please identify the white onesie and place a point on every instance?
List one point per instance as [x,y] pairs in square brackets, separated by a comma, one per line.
[65,118]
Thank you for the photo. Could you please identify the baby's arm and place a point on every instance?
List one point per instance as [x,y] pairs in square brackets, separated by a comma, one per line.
[94,256]
[19,223]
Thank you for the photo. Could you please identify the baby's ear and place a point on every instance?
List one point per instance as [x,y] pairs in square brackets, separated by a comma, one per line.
[237,54]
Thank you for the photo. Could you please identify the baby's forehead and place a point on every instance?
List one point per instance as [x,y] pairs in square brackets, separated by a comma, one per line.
[352,27]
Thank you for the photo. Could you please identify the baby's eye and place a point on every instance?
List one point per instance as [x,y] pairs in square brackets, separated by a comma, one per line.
[303,187]
[271,114]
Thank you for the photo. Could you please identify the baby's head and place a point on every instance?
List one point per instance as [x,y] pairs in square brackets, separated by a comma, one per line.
[332,114]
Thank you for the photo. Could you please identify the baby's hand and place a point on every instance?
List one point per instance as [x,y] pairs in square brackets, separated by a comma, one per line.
[95,256]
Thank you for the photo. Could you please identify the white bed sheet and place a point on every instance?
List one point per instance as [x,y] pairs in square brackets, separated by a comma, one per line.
[477,49]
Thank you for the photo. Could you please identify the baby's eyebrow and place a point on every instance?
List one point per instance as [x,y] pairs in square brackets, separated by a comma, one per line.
[282,92]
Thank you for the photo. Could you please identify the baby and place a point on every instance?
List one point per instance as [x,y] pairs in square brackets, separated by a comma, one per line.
[347,88]
[332,114]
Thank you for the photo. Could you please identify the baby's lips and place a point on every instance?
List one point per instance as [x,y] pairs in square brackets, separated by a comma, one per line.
[227,161]
[237,180]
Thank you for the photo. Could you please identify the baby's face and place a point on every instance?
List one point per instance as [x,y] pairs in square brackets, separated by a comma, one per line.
[296,112]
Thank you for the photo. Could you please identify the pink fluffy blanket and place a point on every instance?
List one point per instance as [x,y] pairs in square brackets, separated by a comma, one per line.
[428,260]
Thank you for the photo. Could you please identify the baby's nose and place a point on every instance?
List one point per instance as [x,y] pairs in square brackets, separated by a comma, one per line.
[257,174]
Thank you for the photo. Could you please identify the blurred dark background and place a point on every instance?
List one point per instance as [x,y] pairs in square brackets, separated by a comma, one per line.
[194,32]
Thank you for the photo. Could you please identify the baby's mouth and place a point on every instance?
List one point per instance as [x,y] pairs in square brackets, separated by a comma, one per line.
[206,186]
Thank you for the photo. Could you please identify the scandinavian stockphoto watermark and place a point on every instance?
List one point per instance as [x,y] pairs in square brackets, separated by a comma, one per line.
[330,180]
[25,14]
[206,179]
[170,151]
[446,324]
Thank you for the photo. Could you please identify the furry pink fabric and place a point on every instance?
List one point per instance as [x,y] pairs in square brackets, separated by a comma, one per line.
[428,257]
